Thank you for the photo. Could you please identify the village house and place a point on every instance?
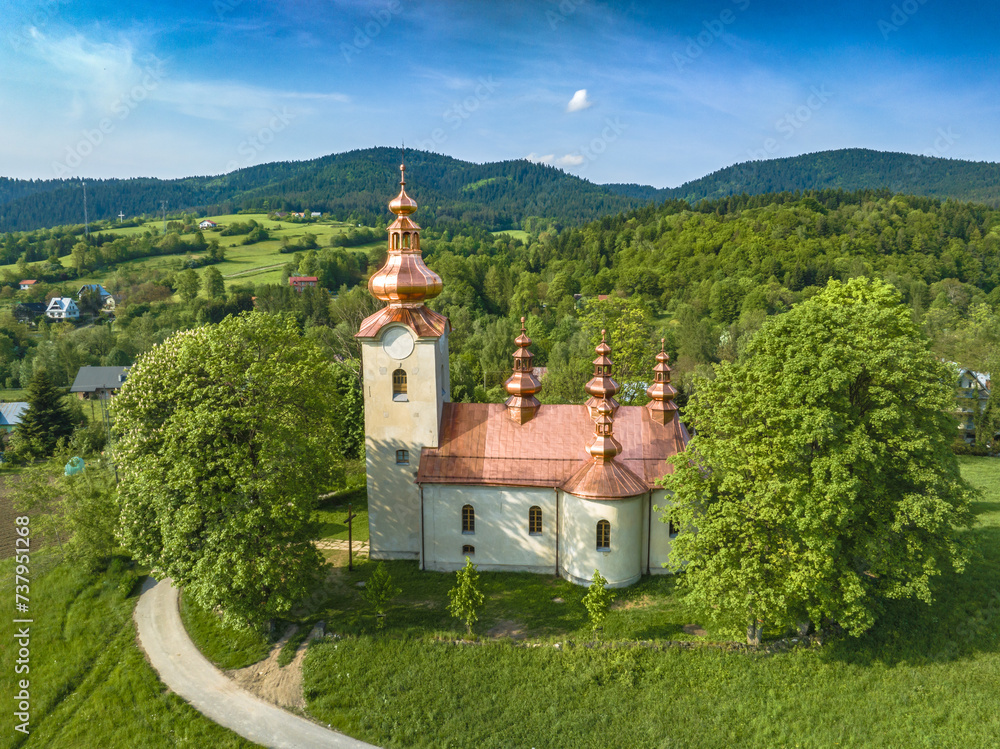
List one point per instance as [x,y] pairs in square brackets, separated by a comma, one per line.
[62,308]
[10,415]
[302,282]
[98,382]
[206,224]
[972,395]
[27,284]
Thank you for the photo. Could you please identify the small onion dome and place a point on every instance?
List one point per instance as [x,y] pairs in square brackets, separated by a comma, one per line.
[661,405]
[402,204]
[605,447]
[522,384]
[602,385]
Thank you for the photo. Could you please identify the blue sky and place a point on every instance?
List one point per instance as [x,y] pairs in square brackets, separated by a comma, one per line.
[655,93]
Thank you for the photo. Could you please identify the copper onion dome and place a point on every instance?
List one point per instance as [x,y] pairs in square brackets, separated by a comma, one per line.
[602,385]
[661,405]
[605,447]
[404,280]
[522,385]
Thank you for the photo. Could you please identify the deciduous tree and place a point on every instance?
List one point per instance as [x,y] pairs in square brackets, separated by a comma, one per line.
[821,482]
[465,599]
[227,433]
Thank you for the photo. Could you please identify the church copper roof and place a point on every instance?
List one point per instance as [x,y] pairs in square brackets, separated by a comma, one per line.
[481,445]
[423,321]
[404,281]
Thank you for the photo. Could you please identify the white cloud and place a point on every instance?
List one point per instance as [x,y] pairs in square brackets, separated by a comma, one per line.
[570,159]
[579,101]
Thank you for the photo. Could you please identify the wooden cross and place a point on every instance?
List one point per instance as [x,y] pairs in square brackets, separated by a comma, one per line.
[121,215]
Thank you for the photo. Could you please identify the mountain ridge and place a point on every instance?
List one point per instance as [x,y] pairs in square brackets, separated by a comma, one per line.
[355,185]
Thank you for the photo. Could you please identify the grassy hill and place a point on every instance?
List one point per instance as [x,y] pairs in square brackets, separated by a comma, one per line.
[846,169]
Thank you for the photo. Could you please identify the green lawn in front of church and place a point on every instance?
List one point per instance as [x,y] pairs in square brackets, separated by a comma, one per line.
[924,676]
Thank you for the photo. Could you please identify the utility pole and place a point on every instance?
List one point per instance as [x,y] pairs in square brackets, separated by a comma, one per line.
[86,222]
[163,207]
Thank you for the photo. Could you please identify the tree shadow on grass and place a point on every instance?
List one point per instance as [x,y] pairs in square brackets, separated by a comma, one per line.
[964,618]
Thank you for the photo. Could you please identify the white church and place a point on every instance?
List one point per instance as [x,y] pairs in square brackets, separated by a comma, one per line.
[518,486]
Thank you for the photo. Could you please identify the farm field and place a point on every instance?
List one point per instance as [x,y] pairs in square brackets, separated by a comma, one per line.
[258,263]
[926,675]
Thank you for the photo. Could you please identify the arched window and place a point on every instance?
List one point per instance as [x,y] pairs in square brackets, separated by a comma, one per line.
[603,535]
[469,550]
[406,241]
[402,457]
[395,241]
[535,521]
[468,519]
[399,386]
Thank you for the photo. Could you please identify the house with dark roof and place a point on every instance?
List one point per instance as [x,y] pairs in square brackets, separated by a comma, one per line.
[28,312]
[98,382]
[518,486]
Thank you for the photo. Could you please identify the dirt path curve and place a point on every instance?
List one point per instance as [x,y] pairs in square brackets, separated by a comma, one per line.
[187,672]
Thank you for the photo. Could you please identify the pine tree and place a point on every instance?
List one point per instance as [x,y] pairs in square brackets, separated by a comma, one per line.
[379,592]
[47,419]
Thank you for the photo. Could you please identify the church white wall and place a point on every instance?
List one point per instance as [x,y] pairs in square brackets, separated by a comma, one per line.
[579,557]
[659,537]
[501,537]
[393,495]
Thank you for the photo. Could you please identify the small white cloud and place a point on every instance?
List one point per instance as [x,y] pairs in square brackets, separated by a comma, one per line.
[536,159]
[579,101]
[570,159]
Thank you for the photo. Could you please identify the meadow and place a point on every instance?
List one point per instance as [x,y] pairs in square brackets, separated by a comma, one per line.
[536,675]
[259,263]
[90,684]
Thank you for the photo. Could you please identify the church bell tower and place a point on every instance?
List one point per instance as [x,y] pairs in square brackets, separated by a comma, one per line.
[404,355]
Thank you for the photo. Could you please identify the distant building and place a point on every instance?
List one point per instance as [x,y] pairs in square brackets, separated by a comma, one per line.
[10,415]
[94,288]
[300,282]
[972,395]
[98,382]
[27,284]
[62,308]
[28,312]
[316,214]
[206,224]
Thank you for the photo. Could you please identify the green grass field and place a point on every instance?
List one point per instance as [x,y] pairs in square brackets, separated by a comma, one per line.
[925,676]
[513,233]
[90,684]
[259,263]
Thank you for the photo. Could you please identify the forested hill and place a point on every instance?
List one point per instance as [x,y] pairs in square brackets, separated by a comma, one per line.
[846,169]
[354,185]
